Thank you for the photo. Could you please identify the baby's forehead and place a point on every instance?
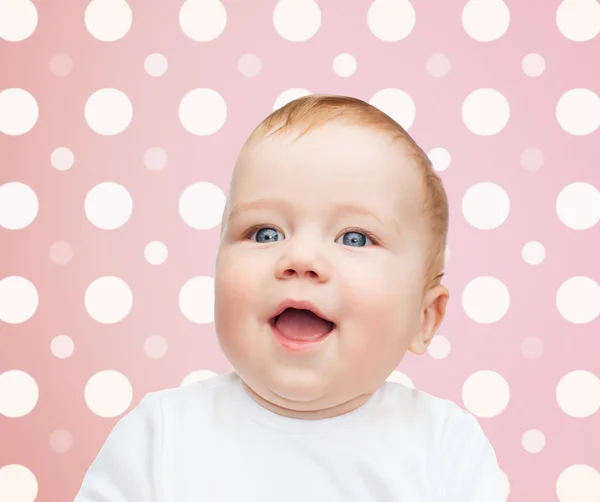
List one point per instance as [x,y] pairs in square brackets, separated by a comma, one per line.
[329,144]
[335,162]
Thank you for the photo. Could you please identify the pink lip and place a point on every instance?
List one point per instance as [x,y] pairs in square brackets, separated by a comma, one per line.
[300,305]
[294,345]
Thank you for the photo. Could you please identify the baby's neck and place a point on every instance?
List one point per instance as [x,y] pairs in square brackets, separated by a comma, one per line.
[318,414]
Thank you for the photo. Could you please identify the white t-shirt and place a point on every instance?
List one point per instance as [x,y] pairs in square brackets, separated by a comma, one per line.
[210,441]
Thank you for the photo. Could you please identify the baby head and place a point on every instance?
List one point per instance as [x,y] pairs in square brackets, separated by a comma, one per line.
[331,256]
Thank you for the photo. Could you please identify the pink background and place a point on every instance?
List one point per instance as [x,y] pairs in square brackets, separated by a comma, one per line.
[519,347]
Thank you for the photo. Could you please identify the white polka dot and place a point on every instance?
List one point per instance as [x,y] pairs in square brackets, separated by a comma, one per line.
[197,376]
[108,393]
[18,206]
[297,20]
[578,394]
[156,253]
[19,300]
[485,112]
[62,158]
[249,65]
[18,112]
[532,159]
[108,206]
[438,65]
[108,20]
[202,112]
[156,65]
[401,378]
[201,205]
[391,20]
[578,112]
[485,394]
[155,159]
[397,104]
[578,300]
[533,441]
[440,158]
[486,205]
[202,20]
[533,253]
[344,65]
[60,65]
[485,300]
[290,95]
[61,253]
[485,20]
[578,20]
[18,20]
[17,484]
[578,206]
[108,112]
[61,441]
[197,300]
[578,483]
[155,347]
[533,65]
[62,346]
[439,348]
[108,300]
[18,394]
[505,484]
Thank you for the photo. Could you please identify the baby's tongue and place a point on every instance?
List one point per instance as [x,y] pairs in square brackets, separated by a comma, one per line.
[302,325]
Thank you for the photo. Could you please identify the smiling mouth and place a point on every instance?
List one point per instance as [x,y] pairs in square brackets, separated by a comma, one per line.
[302,325]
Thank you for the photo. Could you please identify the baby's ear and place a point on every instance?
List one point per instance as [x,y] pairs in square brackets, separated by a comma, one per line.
[432,315]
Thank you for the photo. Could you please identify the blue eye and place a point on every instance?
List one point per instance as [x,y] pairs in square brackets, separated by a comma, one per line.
[266,235]
[355,239]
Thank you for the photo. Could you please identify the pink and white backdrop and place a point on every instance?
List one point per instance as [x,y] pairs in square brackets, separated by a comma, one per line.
[120,122]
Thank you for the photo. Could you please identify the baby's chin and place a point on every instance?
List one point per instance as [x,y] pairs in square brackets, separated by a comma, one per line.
[301,395]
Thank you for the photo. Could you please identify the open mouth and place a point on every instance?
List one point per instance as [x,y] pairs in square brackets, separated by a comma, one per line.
[301,324]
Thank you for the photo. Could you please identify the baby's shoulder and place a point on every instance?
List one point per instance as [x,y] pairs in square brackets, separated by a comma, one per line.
[193,398]
[420,410]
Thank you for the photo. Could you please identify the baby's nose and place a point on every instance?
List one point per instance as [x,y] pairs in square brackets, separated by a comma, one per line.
[302,265]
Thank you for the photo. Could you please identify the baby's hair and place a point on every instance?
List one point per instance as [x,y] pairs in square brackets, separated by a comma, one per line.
[315,110]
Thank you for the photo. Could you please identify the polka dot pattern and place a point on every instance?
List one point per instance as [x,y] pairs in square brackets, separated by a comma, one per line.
[108,20]
[108,112]
[18,20]
[18,393]
[18,205]
[18,484]
[61,65]
[297,20]
[117,140]
[108,206]
[202,20]
[202,112]
[391,20]
[108,300]
[486,300]
[19,111]
[156,65]
[485,20]
[108,393]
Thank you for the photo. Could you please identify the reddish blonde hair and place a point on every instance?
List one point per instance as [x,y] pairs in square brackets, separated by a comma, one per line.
[315,110]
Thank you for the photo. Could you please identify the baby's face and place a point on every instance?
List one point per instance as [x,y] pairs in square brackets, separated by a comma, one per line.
[333,219]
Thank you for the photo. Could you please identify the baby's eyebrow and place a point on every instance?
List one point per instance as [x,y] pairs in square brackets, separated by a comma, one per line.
[244,207]
[349,207]
[286,206]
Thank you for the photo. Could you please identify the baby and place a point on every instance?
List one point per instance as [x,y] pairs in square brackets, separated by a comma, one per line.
[328,271]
